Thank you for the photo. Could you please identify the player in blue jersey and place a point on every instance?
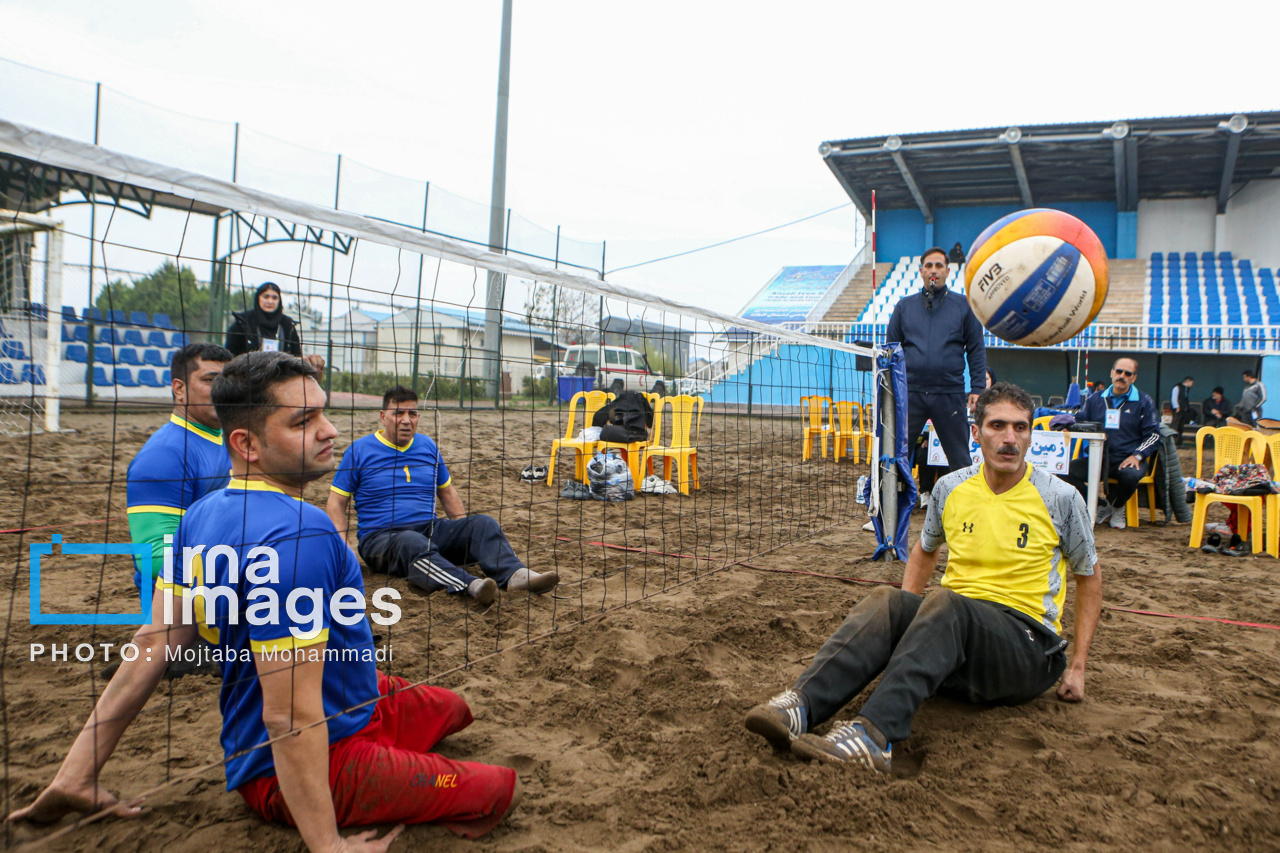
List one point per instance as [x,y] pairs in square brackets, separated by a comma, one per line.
[184,460]
[349,746]
[395,476]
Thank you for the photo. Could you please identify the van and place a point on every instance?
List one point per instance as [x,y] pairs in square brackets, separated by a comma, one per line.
[615,368]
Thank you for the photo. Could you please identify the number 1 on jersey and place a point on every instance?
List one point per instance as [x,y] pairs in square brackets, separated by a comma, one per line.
[406,478]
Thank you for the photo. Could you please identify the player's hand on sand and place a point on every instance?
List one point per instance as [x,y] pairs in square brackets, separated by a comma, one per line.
[364,842]
[57,801]
[1072,687]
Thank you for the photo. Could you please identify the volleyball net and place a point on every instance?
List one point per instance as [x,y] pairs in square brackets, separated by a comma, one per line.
[504,351]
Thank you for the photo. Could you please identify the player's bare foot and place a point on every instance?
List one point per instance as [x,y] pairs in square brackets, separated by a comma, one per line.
[56,802]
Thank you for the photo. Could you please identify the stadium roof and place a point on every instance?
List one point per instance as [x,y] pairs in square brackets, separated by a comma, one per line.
[1121,161]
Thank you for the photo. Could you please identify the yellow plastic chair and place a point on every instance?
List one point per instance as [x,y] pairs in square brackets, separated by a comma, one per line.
[1131,505]
[682,451]
[1271,458]
[1229,445]
[849,434]
[1041,422]
[813,408]
[592,402]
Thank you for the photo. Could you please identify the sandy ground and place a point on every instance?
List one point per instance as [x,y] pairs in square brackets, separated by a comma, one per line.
[620,700]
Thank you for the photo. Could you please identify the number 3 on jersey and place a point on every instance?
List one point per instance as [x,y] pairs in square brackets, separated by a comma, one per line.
[1024,529]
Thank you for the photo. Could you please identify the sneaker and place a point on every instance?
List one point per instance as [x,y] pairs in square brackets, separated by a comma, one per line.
[655,485]
[780,720]
[846,743]
[870,527]
[1104,513]
[535,582]
[1118,519]
[483,590]
[924,502]
[577,491]
[533,473]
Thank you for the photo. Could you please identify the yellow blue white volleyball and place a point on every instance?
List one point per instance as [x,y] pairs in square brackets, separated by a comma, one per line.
[1036,277]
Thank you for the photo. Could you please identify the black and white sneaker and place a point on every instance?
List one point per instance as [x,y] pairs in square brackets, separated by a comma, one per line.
[780,720]
[846,743]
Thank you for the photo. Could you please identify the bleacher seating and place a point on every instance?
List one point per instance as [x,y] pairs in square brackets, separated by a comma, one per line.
[132,350]
[902,280]
[1210,289]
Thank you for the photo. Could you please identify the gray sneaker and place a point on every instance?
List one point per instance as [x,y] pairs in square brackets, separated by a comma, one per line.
[1104,513]
[780,720]
[846,743]
[483,590]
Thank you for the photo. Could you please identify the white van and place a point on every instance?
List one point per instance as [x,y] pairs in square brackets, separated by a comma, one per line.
[610,366]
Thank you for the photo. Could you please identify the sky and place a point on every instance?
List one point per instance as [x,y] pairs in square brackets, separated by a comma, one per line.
[656,127]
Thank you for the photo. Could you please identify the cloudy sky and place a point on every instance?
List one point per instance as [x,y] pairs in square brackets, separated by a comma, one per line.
[658,127]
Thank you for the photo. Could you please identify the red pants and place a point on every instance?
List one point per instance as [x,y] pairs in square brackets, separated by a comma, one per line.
[384,773]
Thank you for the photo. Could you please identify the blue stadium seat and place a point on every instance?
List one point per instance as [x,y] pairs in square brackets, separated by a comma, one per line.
[95,314]
[77,352]
[110,336]
[1157,257]
[69,314]
[100,377]
[155,358]
[147,378]
[1225,257]
[124,378]
[13,350]
[164,377]
[7,376]
[38,310]
[69,333]
[118,317]
[162,320]
[180,339]
[133,338]
[160,340]
[33,373]
[138,318]
[128,355]
[103,355]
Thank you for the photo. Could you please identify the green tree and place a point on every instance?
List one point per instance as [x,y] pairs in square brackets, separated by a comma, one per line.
[168,290]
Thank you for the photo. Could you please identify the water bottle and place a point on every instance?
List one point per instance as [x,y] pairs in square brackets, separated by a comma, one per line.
[862,485]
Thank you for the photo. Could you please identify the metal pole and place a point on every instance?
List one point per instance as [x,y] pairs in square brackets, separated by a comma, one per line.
[498,202]
[555,293]
[93,233]
[417,311]
[53,345]
[333,261]
[496,348]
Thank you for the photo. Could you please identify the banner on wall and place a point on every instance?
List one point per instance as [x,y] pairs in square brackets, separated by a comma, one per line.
[791,294]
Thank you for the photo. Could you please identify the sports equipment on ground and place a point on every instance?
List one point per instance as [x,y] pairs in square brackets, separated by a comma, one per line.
[780,720]
[1036,277]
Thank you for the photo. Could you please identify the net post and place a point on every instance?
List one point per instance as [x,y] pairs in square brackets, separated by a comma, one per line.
[53,335]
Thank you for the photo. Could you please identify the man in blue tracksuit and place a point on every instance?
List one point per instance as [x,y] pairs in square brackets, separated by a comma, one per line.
[1133,437]
[937,331]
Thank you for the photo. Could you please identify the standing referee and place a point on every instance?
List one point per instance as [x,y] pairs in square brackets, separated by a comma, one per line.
[938,331]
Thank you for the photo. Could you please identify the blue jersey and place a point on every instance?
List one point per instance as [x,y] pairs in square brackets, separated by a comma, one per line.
[246,517]
[392,486]
[181,463]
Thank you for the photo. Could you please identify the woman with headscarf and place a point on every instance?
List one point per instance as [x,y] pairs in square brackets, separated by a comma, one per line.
[266,327]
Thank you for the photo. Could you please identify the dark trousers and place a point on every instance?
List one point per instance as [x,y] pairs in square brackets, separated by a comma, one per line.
[941,643]
[429,555]
[1126,478]
[1180,419]
[950,416]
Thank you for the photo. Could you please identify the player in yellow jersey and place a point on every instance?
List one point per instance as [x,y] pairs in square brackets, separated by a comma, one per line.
[989,634]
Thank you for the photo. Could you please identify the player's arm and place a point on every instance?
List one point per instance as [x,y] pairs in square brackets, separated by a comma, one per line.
[292,702]
[451,501]
[920,567]
[1088,608]
[75,787]
[150,528]
[336,509]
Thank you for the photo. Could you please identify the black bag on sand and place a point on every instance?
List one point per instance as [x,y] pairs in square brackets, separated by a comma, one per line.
[628,418]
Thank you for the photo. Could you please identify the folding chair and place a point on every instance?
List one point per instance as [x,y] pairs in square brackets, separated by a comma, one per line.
[592,402]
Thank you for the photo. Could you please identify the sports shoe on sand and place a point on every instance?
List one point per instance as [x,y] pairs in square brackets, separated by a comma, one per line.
[1104,513]
[1118,519]
[483,590]
[846,743]
[780,720]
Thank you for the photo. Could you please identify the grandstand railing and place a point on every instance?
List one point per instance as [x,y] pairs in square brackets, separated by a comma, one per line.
[1134,337]
[838,286]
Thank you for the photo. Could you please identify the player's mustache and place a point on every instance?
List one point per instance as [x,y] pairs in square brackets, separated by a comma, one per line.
[1008,448]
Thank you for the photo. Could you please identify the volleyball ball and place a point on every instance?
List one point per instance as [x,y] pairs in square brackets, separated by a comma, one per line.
[1036,277]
